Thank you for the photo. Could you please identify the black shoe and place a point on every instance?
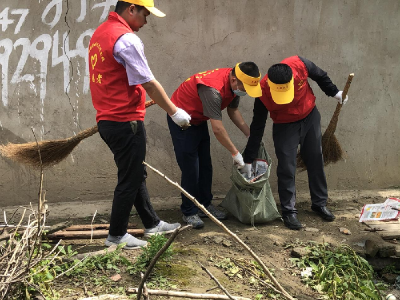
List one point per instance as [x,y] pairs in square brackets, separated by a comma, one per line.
[323,212]
[291,222]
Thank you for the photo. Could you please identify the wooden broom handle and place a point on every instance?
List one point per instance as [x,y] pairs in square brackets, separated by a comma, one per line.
[332,124]
[347,86]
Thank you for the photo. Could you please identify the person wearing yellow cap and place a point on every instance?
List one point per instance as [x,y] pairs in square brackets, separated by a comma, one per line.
[204,96]
[290,101]
[120,77]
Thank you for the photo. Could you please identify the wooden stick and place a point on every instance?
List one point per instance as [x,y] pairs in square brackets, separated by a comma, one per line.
[185,294]
[50,229]
[107,297]
[157,256]
[58,226]
[97,234]
[82,227]
[202,208]
[40,203]
[145,291]
[91,224]
[216,281]
[333,123]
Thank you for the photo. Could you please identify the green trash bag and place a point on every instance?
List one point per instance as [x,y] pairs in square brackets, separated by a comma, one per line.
[252,202]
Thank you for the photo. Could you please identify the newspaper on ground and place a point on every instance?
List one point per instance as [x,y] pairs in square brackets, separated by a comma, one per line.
[388,210]
[258,168]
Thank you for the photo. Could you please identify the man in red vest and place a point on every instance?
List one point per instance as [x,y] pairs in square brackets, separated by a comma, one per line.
[290,101]
[204,96]
[119,80]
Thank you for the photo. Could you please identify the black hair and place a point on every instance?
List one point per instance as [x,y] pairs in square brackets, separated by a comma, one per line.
[122,5]
[280,73]
[248,68]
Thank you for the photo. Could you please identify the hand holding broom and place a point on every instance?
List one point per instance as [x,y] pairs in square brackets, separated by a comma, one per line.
[51,152]
[331,149]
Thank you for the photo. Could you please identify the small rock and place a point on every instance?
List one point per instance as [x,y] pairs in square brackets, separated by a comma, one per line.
[344,230]
[299,252]
[389,277]
[387,251]
[278,243]
[116,277]
[226,243]
[218,239]
[371,248]
[311,229]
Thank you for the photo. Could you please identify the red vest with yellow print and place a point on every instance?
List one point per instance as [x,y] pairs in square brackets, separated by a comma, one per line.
[187,98]
[112,96]
[304,99]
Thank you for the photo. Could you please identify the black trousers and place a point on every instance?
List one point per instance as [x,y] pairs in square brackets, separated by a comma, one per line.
[192,151]
[127,141]
[287,137]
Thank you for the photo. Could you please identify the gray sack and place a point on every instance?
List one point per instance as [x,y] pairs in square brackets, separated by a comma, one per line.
[251,202]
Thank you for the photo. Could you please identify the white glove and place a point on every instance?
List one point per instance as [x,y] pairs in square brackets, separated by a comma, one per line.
[246,170]
[338,97]
[181,117]
[238,160]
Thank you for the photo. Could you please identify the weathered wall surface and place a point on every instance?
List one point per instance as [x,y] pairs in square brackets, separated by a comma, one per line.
[44,84]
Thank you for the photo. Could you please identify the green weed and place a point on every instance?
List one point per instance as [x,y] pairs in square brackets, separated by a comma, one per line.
[339,273]
[155,243]
[109,261]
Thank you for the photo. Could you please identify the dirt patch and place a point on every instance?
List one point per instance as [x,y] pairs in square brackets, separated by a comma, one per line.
[209,246]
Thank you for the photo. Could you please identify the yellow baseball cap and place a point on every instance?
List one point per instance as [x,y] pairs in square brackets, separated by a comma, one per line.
[149,4]
[282,93]
[251,84]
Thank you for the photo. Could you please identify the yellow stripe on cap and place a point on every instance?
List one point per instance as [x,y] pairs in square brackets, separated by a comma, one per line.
[282,93]
[251,84]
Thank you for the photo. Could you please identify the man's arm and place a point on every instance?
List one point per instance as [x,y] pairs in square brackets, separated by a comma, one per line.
[129,52]
[157,93]
[211,100]
[222,136]
[320,77]
[257,127]
[237,119]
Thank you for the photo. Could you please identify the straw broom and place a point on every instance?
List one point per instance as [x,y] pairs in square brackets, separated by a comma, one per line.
[51,152]
[331,149]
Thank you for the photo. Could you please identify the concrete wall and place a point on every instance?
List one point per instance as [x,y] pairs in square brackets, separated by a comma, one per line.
[44,84]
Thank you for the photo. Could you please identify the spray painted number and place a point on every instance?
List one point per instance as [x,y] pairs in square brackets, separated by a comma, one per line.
[5,20]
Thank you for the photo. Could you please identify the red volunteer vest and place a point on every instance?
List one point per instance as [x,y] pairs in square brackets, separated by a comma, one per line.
[304,99]
[112,96]
[187,98]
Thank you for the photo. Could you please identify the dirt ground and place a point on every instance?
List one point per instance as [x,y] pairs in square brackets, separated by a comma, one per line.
[271,242]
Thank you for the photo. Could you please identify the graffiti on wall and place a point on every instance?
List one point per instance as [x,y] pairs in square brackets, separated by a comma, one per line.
[45,50]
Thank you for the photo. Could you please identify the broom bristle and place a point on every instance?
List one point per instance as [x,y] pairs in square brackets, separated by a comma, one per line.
[331,151]
[51,152]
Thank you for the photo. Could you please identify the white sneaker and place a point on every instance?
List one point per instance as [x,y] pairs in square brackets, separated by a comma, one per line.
[131,241]
[161,228]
